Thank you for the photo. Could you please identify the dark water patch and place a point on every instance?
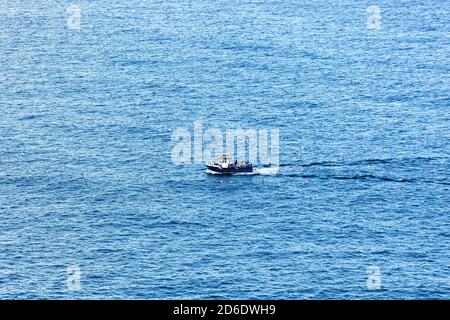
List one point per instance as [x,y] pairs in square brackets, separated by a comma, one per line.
[243,47]
[68,185]
[368,162]
[370,177]
[365,162]
[361,177]
[31,117]
[176,223]
[322,164]
[26,181]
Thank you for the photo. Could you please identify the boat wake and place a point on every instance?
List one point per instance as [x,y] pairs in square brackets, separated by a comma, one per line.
[267,171]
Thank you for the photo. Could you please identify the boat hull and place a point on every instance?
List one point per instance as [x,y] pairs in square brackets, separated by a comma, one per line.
[230,170]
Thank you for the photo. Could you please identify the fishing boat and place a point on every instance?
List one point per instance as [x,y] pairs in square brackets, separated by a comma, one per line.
[225,165]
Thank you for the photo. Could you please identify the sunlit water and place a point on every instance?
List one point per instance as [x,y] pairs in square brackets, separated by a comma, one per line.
[87,180]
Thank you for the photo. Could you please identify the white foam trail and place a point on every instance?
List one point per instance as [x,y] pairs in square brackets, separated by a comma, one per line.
[268,171]
[212,172]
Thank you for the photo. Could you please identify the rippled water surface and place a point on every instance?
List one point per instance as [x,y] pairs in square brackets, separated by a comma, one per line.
[86,177]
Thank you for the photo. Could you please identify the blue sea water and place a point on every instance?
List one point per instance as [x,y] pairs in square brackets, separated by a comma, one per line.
[87,180]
